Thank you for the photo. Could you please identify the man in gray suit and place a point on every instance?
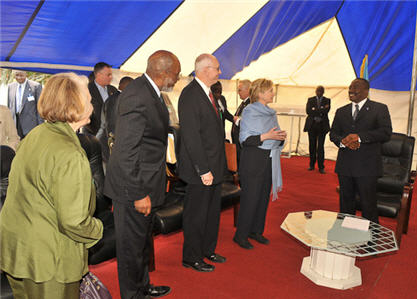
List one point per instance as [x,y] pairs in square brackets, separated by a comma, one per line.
[22,101]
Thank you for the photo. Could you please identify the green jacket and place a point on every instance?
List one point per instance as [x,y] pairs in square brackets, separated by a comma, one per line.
[46,223]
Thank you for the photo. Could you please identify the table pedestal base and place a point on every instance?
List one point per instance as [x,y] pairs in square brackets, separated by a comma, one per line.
[333,270]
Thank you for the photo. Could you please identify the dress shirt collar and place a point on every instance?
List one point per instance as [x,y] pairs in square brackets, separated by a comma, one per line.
[361,103]
[158,92]
[204,87]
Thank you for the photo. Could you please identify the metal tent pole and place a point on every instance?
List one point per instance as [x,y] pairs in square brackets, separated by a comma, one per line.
[413,87]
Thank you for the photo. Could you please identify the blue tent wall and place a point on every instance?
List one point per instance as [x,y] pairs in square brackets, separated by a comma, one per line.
[276,23]
[385,31]
[83,33]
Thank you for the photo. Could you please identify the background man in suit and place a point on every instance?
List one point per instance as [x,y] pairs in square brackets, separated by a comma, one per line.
[317,126]
[23,101]
[202,163]
[135,178]
[100,89]
[108,118]
[217,90]
[358,130]
[243,91]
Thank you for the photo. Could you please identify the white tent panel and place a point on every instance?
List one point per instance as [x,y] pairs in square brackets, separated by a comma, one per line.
[306,60]
[195,27]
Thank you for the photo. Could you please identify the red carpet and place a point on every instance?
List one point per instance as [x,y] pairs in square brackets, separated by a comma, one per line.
[273,271]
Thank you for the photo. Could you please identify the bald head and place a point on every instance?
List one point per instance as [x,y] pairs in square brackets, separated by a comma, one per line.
[164,68]
[207,69]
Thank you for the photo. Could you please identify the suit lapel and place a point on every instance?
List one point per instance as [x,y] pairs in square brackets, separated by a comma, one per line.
[96,92]
[26,93]
[160,105]
[207,102]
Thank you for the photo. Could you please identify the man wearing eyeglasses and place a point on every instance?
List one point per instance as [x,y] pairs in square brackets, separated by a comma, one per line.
[202,163]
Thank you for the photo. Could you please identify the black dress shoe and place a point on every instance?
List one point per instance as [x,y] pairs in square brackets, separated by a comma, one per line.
[321,170]
[310,168]
[199,266]
[259,238]
[216,258]
[157,291]
[243,243]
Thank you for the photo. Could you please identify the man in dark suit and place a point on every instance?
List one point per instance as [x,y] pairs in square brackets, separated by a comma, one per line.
[108,119]
[23,97]
[135,178]
[202,164]
[100,90]
[317,126]
[217,90]
[358,130]
[243,91]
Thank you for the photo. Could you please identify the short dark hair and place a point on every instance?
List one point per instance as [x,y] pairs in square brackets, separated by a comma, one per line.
[215,86]
[99,66]
[366,82]
[125,80]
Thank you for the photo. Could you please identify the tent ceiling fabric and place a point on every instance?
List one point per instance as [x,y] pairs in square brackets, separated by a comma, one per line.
[251,38]
[318,55]
[83,33]
[195,27]
[276,23]
[385,31]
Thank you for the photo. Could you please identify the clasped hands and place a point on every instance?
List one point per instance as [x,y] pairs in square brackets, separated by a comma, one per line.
[351,141]
[274,134]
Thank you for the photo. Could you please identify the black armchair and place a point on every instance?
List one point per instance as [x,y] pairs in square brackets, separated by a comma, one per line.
[395,187]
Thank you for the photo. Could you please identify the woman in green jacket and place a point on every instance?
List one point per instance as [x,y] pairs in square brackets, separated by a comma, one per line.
[46,224]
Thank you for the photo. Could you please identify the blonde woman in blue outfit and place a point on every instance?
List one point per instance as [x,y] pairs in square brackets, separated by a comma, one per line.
[260,167]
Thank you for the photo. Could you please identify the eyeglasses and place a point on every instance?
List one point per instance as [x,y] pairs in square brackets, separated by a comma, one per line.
[216,68]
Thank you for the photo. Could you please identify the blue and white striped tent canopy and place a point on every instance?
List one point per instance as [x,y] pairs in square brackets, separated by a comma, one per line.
[302,43]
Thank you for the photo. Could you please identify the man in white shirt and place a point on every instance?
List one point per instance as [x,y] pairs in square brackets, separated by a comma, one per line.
[23,96]
[358,130]
[202,163]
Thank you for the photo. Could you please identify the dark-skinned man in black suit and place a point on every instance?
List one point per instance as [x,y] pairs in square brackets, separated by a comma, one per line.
[317,126]
[135,178]
[358,130]
[202,164]
[100,89]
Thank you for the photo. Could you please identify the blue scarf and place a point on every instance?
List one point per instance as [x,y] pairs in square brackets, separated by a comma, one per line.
[256,120]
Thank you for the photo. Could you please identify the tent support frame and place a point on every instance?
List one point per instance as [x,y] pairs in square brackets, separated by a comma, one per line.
[413,87]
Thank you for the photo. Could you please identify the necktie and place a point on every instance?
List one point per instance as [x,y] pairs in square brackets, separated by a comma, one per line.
[213,103]
[19,99]
[356,112]
[318,102]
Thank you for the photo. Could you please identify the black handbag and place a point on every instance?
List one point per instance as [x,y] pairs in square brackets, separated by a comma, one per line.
[92,288]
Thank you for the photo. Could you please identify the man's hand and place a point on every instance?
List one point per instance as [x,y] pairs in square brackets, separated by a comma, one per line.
[143,205]
[207,178]
[351,141]
[235,118]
